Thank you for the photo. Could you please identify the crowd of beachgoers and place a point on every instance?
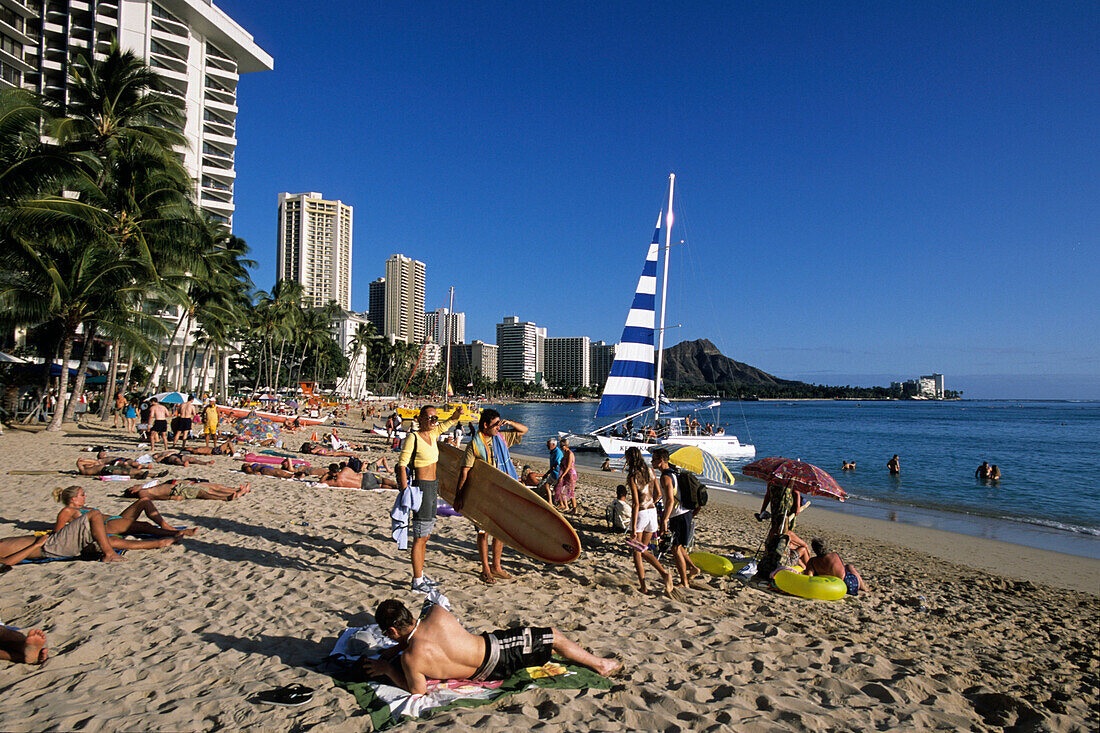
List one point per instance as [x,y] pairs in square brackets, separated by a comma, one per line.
[233,567]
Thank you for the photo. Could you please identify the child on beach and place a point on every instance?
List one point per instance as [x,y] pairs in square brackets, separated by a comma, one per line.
[643,518]
[618,513]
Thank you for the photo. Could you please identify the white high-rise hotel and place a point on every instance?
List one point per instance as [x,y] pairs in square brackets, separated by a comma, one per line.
[314,247]
[197,49]
[404,301]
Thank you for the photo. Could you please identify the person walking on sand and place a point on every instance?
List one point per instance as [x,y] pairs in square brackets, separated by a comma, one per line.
[894,465]
[550,478]
[438,647]
[643,518]
[491,445]
[419,457]
[158,423]
[675,518]
[120,407]
[565,494]
[210,423]
[129,417]
[184,421]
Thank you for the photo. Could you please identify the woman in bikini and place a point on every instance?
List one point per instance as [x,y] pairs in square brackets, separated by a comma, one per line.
[643,517]
[75,504]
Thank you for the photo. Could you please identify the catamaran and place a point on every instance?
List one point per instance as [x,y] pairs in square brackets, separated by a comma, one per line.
[633,385]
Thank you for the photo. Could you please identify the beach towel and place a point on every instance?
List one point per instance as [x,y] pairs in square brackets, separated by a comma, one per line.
[388,706]
[404,504]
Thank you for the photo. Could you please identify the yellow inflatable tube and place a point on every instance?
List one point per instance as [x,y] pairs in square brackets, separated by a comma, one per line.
[715,565]
[818,587]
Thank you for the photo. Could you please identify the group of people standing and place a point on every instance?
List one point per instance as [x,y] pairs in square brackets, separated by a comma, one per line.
[560,481]
[159,422]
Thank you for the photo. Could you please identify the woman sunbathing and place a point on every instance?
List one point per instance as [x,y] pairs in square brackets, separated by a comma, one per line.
[225,449]
[179,458]
[316,449]
[74,499]
[72,540]
[266,469]
[188,488]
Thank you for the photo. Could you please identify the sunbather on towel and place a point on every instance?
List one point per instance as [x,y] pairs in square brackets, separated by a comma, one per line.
[225,449]
[75,499]
[29,648]
[348,478]
[315,449]
[179,458]
[104,465]
[437,646]
[266,469]
[189,488]
[72,540]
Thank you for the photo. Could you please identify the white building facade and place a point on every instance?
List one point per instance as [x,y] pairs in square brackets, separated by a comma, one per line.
[441,326]
[404,302]
[199,51]
[314,247]
[520,350]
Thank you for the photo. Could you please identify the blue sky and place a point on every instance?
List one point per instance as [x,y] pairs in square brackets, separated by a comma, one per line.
[867,191]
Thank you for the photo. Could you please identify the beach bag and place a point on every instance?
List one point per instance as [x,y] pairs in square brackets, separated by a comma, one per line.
[693,494]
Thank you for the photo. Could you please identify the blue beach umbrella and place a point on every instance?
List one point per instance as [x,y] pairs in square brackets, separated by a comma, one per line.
[171,398]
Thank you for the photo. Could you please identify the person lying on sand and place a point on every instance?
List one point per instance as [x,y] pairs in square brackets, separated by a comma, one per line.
[29,648]
[79,535]
[438,647]
[189,488]
[74,500]
[316,449]
[281,471]
[346,477]
[104,465]
[825,562]
[179,458]
[225,449]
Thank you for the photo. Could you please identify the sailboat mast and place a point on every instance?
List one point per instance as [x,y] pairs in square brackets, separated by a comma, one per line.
[450,338]
[664,292]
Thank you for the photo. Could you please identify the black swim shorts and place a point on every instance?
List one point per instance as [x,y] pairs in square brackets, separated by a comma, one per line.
[159,426]
[509,650]
[181,424]
[682,527]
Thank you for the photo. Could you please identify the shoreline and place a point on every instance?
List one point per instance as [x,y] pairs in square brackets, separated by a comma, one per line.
[992,554]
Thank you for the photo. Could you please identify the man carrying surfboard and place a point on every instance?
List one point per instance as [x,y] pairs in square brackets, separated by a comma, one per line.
[491,446]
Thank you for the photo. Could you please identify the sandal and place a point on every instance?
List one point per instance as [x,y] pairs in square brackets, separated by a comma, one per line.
[636,545]
[287,695]
[487,578]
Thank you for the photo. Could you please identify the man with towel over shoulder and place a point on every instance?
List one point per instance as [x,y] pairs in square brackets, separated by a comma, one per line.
[490,445]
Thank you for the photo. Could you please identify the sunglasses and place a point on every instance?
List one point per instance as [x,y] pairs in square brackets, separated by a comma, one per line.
[433,418]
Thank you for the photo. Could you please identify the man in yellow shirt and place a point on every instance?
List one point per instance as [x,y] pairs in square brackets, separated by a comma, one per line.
[421,450]
[490,445]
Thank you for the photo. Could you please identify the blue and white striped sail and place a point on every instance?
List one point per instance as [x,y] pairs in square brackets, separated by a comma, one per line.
[629,386]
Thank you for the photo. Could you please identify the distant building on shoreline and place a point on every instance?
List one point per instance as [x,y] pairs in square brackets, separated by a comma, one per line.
[314,247]
[600,361]
[478,357]
[925,388]
[442,326]
[404,300]
[376,305]
[520,350]
[198,50]
[568,361]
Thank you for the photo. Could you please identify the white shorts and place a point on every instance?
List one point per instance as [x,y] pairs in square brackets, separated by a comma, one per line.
[647,520]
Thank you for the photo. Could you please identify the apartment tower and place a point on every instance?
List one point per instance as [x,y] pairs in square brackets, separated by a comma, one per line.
[519,350]
[404,306]
[199,51]
[314,247]
[441,326]
[568,361]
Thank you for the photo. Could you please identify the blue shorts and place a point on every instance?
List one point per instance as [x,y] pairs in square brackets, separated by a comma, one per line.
[852,582]
[423,519]
[682,527]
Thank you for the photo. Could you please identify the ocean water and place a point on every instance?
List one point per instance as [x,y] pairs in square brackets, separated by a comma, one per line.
[1048,453]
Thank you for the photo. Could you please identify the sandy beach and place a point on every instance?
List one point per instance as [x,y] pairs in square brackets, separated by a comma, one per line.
[957,632]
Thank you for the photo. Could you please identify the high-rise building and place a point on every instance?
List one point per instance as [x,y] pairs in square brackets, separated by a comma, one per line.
[441,326]
[568,361]
[519,347]
[315,247]
[199,51]
[602,357]
[404,307]
[478,357]
[376,305]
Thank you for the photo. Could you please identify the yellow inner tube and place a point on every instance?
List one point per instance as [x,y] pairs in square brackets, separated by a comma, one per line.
[818,587]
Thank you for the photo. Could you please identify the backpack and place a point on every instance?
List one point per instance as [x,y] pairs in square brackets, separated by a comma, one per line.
[693,494]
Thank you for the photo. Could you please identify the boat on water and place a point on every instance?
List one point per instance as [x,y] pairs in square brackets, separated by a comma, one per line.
[633,387]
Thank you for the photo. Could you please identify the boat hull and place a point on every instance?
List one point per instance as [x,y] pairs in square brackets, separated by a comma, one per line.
[580,441]
[722,446]
[272,416]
